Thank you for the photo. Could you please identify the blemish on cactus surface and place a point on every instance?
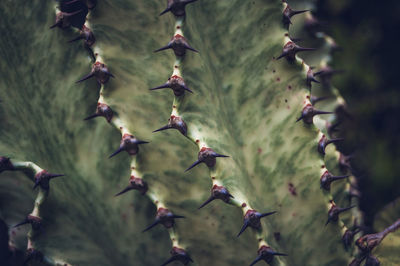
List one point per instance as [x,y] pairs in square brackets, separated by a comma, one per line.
[292,189]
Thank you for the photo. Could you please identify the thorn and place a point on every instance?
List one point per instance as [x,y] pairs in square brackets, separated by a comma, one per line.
[164,217]
[116,152]
[25,221]
[314,99]
[178,44]
[156,222]
[178,254]
[162,128]
[177,7]
[76,39]
[165,11]
[334,211]
[252,219]
[347,238]
[164,86]
[244,227]
[267,254]
[326,73]
[168,46]
[218,192]
[310,77]
[267,214]
[124,191]
[309,112]
[88,76]
[100,72]
[176,83]
[207,156]
[43,178]
[323,142]
[327,179]
[193,165]
[91,116]
[211,198]
[290,49]
[288,13]
[259,258]
[35,221]
[130,144]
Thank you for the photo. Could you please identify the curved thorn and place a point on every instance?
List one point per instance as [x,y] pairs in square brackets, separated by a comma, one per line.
[21,223]
[245,225]
[156,222]
[55,25]
[162,128]
[187,88]
[165,85]
[168,46]
[76,39]
[282,55]
[298,119]
[36,185]
[109,73]
[190,48]
[123,191]
[256,260]
[91,116]
[117,151]
[267,214]
[220,155]
[88,76]
[293,13]
[193,165]
[318,112]
[334,178]
[169,261]
[211,198]
[141,142]
[279,254]
[165,11]
[314,80]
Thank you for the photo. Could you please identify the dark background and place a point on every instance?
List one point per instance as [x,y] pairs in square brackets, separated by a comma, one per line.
[368,33]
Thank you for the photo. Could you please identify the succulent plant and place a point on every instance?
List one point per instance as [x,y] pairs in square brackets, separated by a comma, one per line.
[279,184]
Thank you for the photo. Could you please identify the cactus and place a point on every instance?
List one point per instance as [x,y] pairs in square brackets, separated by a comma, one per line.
[238,87]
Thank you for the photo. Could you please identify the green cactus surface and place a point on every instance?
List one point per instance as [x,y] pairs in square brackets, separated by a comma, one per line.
[244,105]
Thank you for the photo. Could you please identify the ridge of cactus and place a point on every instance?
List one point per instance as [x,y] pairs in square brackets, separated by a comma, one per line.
[236,97]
